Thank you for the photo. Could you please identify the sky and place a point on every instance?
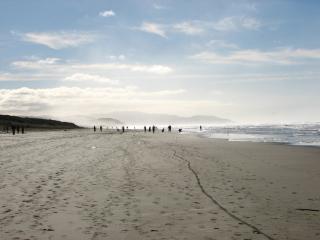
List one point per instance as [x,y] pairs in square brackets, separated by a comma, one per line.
[248,61]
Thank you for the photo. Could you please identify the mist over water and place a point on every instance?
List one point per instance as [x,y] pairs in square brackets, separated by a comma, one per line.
[293,134]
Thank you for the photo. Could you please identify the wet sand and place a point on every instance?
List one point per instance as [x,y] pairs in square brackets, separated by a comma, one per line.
[85,185]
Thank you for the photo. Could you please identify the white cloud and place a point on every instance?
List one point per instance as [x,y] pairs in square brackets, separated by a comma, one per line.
[196,27]
[189,28]
[253,56]
[155,69]
[49,61]
[108,13]
[154,28]
[158,69]
[57,66]
[186,27]
[82,77]
[237,23]
[59,40]
[54,69]
[36,63]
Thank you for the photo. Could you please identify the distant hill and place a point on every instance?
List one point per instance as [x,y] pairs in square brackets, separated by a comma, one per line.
[140,118]
[110,121]
[32,122]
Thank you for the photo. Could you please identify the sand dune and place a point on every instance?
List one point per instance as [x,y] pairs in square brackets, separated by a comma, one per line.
[84,185]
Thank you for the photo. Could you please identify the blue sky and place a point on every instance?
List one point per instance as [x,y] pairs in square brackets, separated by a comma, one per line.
[250,61]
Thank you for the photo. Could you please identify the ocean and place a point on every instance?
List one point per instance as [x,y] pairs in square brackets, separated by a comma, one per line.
[293,134]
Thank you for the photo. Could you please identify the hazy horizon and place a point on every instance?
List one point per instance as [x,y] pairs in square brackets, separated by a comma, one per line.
[247,61]
[95,119]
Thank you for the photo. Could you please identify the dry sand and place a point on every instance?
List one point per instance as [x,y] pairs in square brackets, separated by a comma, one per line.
[84,185]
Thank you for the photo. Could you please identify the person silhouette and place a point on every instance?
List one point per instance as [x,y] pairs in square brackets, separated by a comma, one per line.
[22,129]
[13,128]
[94,128]
[162,130]
[145,129]
[153,128]
[100,128]
[169,128]
[200,128]
[149,129]
[123,129]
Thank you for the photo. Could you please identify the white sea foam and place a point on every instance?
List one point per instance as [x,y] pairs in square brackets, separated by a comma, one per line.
[293,134]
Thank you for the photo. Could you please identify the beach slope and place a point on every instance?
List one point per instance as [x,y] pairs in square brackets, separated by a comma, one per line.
[83,185]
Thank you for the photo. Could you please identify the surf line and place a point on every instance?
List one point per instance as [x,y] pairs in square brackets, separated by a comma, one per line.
[255,229]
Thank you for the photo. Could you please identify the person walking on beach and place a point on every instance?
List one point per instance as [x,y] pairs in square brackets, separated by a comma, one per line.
[123,129]
[162,130]
[13,128]
[153,128]
[94,128]
[169,128]
[145,129]
[22,129]
[149,129]
[18,129]
[100,128]
[200,128]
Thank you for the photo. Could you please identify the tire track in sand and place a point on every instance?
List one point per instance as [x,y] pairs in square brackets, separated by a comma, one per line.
[214,201]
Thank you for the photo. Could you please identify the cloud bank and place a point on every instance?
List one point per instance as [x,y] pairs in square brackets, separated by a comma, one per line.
[71,100]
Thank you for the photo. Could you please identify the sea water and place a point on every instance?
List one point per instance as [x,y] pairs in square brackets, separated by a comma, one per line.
[293,134]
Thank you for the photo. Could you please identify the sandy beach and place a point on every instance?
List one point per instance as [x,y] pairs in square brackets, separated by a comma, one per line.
[80,185]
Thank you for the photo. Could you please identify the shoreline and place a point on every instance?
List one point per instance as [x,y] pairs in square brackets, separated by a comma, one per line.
[197,134]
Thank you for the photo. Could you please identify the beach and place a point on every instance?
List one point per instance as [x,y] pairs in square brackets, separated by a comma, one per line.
[79,184]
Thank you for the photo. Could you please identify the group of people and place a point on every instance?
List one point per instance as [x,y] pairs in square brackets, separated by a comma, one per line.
[14,129]
[118,130]
[95,129]
[149,129]
[153,129]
